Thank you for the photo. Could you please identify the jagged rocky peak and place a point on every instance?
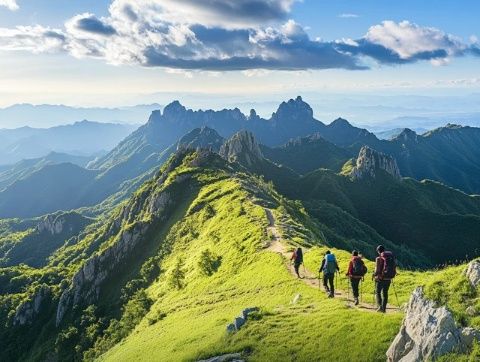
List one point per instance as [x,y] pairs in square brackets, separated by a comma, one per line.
[369,161]
[203,137]
[253,115]
[53,224]
[428,332]
[407,135]
[294,109]
[173,109]
[243,148]
[340,123]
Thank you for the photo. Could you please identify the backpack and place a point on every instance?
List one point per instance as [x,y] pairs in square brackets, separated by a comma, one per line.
[298,259]
[330,264]
[358,268]
[389,265]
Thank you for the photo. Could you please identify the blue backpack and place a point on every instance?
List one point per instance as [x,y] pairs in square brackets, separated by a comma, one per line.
[330,264]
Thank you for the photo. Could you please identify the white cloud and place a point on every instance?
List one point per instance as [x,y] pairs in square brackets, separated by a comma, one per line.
[9,4]
[35,39]
[408,39]
[348,16]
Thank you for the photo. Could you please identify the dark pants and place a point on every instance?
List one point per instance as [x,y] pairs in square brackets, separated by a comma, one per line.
[381,292]
[355,282]
[328,280]
[296,267]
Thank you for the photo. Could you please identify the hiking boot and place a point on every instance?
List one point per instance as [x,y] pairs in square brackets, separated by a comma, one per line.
[380,310]
[356,301]
[330,295]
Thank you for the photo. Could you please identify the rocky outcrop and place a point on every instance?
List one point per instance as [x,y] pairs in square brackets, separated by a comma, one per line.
[67,223]
[240,321]
[370,161]
[201,138]
[86,283]
[243,148]
[231,357]
[52,224]
[26,311]
[473,272]
[428,332]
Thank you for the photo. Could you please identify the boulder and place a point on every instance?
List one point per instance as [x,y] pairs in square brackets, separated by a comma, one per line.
[239,322]
[473,272]
[231,357]
[428,332]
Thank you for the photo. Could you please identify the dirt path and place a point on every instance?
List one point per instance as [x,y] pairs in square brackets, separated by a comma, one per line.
[310,278]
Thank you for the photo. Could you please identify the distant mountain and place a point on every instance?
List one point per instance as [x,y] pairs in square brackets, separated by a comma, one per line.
[24,168]
[54,187]
[305,154]
[48,115]
[35,187]
[392,133]
[81,138]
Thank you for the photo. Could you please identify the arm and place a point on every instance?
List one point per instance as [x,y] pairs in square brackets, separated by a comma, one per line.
[293,256]
[350,268]
[322,266]
[378,267]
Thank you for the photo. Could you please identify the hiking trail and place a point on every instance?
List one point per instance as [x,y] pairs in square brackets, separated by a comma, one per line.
[309,278]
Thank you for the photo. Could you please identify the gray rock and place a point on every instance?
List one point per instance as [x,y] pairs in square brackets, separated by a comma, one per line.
[232,357]
[239,322]
[27,310]
[247,311]
[231,328]
[243,148]
[469,336]
[473,272]
[53,224]
[471,311]
[427,332]
[369,161]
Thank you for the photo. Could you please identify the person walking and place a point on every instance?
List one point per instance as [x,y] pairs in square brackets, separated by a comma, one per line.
[385,271]
[329,267]
[356,271]
[297,260]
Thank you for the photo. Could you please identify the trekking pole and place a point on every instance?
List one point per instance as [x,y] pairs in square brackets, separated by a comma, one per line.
[396,296]
[361,290]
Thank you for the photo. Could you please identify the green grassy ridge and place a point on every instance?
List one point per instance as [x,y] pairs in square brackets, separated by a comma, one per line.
[196,315]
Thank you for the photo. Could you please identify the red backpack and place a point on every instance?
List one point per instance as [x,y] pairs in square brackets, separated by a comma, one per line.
[358,267]
[389,265]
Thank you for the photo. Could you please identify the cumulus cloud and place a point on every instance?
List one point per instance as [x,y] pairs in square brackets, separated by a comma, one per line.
[228,35]
[9,4]
[35,39]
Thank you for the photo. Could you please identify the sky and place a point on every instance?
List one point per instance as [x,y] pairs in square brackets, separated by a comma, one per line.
[125,52]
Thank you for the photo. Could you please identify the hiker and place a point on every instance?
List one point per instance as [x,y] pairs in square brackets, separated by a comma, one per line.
[329,267]
[356,271]
[297,259]
[385,271]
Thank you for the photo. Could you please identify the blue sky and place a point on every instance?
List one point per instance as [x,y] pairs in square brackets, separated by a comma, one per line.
[94,52]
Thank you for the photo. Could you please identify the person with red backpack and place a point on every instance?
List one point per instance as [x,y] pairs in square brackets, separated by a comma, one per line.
[297,260]
[356,271]
[385,271]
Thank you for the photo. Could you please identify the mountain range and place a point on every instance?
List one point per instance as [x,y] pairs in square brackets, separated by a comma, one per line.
[160,275]
[81,138]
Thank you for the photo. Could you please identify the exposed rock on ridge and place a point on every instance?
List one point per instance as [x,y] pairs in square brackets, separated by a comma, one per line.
[369,161]
[428,332]
[243,148]
[30,308]
[473,272]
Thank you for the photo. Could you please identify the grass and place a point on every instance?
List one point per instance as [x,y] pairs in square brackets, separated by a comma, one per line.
[194,318]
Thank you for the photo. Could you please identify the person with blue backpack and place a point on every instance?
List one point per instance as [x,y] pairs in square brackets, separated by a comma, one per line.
[329,267]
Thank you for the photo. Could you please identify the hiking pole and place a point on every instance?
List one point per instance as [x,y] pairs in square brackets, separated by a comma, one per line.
[395,291]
